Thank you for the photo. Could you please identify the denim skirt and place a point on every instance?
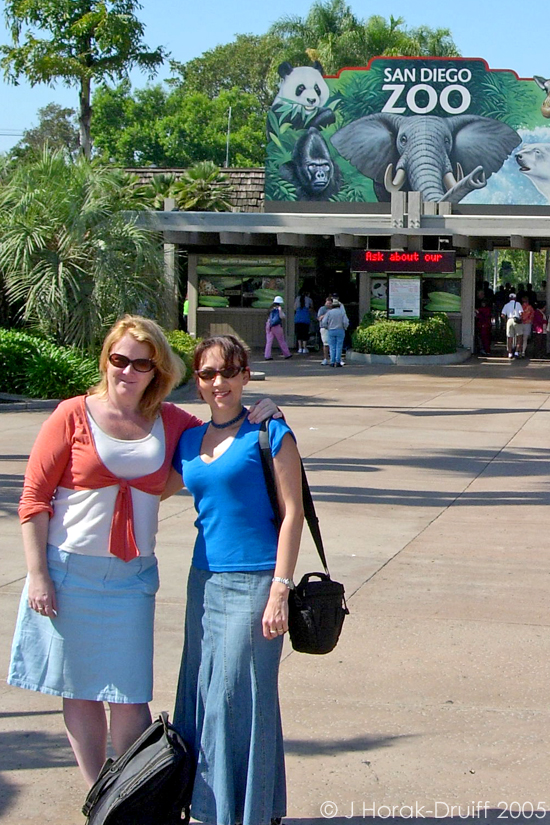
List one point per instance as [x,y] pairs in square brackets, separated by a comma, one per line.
[100,644]
[227,705]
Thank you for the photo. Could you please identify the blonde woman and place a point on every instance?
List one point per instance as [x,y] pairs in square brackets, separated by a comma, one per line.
[89,514]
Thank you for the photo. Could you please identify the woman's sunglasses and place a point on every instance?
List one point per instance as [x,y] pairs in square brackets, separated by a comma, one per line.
[139,364]
[209,373]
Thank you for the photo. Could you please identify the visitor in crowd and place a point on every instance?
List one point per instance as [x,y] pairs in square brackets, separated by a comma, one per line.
[526,320]
[323,330]
[483,327]
[336,322]
[89,513]
[539,326]
[512,313]
[302,319]
[274,330]
[227,704]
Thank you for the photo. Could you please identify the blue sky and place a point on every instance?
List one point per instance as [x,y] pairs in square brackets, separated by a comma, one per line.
[509,35]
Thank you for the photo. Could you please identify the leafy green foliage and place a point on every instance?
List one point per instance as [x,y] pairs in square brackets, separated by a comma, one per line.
[56,129]
[39,369]
[203,188]
[76,42]
[183,345]
[248,63]
[430,336]
[331,33]
[176,128]
[504,99]
[72,257]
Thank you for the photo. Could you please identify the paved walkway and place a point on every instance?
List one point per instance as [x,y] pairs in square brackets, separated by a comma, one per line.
[432,489]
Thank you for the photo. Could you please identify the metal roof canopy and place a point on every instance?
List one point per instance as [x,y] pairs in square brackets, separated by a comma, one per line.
[406,222]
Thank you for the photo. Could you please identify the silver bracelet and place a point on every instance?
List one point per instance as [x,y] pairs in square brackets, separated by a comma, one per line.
[289,583]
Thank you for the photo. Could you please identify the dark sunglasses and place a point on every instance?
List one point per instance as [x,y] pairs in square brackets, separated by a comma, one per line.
[209,373]
[139,364]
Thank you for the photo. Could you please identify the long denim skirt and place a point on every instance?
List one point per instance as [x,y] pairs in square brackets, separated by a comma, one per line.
[100,645]
[227,705]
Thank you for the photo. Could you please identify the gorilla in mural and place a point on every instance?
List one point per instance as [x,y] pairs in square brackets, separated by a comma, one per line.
[444,158]
[312,170]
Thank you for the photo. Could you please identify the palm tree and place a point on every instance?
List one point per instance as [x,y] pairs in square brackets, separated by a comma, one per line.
[338,38]
[203,188]
[71,251]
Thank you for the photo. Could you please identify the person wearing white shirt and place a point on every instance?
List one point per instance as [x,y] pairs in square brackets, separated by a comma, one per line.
[512,312]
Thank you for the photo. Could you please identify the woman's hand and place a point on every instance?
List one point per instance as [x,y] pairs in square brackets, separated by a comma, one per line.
[275,618]
[265,408]
[41,595]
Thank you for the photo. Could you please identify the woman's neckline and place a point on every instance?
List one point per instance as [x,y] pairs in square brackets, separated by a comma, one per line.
[114,437]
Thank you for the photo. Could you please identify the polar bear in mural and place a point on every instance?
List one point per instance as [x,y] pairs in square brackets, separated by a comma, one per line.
[534,162]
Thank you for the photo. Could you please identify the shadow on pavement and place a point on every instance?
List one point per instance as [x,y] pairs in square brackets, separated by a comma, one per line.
[24,750]
[8,794]
[323,747]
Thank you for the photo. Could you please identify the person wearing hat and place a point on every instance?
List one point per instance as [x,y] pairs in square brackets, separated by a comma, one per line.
[274,329]
[512,312]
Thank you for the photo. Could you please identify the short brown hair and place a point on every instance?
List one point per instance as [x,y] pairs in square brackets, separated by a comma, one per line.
[169,368]
[233,350]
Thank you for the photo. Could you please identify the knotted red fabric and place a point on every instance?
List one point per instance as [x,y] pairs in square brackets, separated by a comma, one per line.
[122,541]
[64,455]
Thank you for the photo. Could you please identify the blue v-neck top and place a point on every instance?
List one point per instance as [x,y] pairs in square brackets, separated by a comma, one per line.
[234,521]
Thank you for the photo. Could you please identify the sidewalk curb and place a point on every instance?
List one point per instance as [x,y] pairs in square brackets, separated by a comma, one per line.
[457,357]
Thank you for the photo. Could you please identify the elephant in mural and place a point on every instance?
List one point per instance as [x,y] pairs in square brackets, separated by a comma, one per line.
[444,158]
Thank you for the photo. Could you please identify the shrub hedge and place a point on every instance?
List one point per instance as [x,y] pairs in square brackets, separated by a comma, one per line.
[184,345]
[429,336]
[39,369]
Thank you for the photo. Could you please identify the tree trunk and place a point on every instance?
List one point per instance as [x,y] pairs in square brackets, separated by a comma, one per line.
[85,118]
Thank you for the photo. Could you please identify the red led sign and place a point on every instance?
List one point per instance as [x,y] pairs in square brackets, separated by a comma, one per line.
[386,260]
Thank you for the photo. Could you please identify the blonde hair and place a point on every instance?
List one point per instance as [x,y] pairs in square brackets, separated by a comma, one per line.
[169,368]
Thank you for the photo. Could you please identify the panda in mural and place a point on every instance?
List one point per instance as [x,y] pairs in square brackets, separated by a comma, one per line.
[302,96]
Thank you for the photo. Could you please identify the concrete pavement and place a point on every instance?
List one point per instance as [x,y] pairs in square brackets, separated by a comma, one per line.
[432,489]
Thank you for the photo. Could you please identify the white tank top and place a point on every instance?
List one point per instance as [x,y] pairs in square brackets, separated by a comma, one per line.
[82,518]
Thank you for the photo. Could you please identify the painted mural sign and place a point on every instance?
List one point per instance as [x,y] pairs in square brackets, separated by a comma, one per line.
[450,128]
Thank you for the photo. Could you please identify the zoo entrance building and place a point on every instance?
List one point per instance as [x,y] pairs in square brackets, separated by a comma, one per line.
[403,170]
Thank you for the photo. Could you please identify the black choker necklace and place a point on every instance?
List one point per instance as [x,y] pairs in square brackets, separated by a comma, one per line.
[229,423]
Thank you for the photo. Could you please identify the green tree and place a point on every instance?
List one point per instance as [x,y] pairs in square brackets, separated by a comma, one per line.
[56,128]
[177,128]
[77,42]
[248,63]
[72,256]
[331,33]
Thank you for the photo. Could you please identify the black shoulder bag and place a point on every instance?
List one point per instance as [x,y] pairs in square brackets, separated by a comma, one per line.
[150,784]
[316,609]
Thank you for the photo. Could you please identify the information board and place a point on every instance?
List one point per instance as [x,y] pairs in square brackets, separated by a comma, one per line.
[404,297]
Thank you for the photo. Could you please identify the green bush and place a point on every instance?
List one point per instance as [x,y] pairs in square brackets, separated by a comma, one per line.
[430,336]
[183,345]
[39,369]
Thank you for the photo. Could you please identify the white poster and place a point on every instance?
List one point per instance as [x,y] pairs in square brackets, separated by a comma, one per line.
[404,297]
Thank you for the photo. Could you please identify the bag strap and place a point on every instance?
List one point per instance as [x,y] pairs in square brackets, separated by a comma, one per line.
[309,508]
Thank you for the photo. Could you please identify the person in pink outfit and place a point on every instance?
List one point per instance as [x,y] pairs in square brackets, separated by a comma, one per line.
[274,329]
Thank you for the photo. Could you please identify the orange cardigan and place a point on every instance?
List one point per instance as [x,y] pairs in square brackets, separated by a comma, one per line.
[64,455]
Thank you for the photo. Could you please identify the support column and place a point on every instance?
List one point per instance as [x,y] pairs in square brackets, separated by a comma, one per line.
[468,302]
[364,293]
[291,284]
[192,294]
[171,276]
